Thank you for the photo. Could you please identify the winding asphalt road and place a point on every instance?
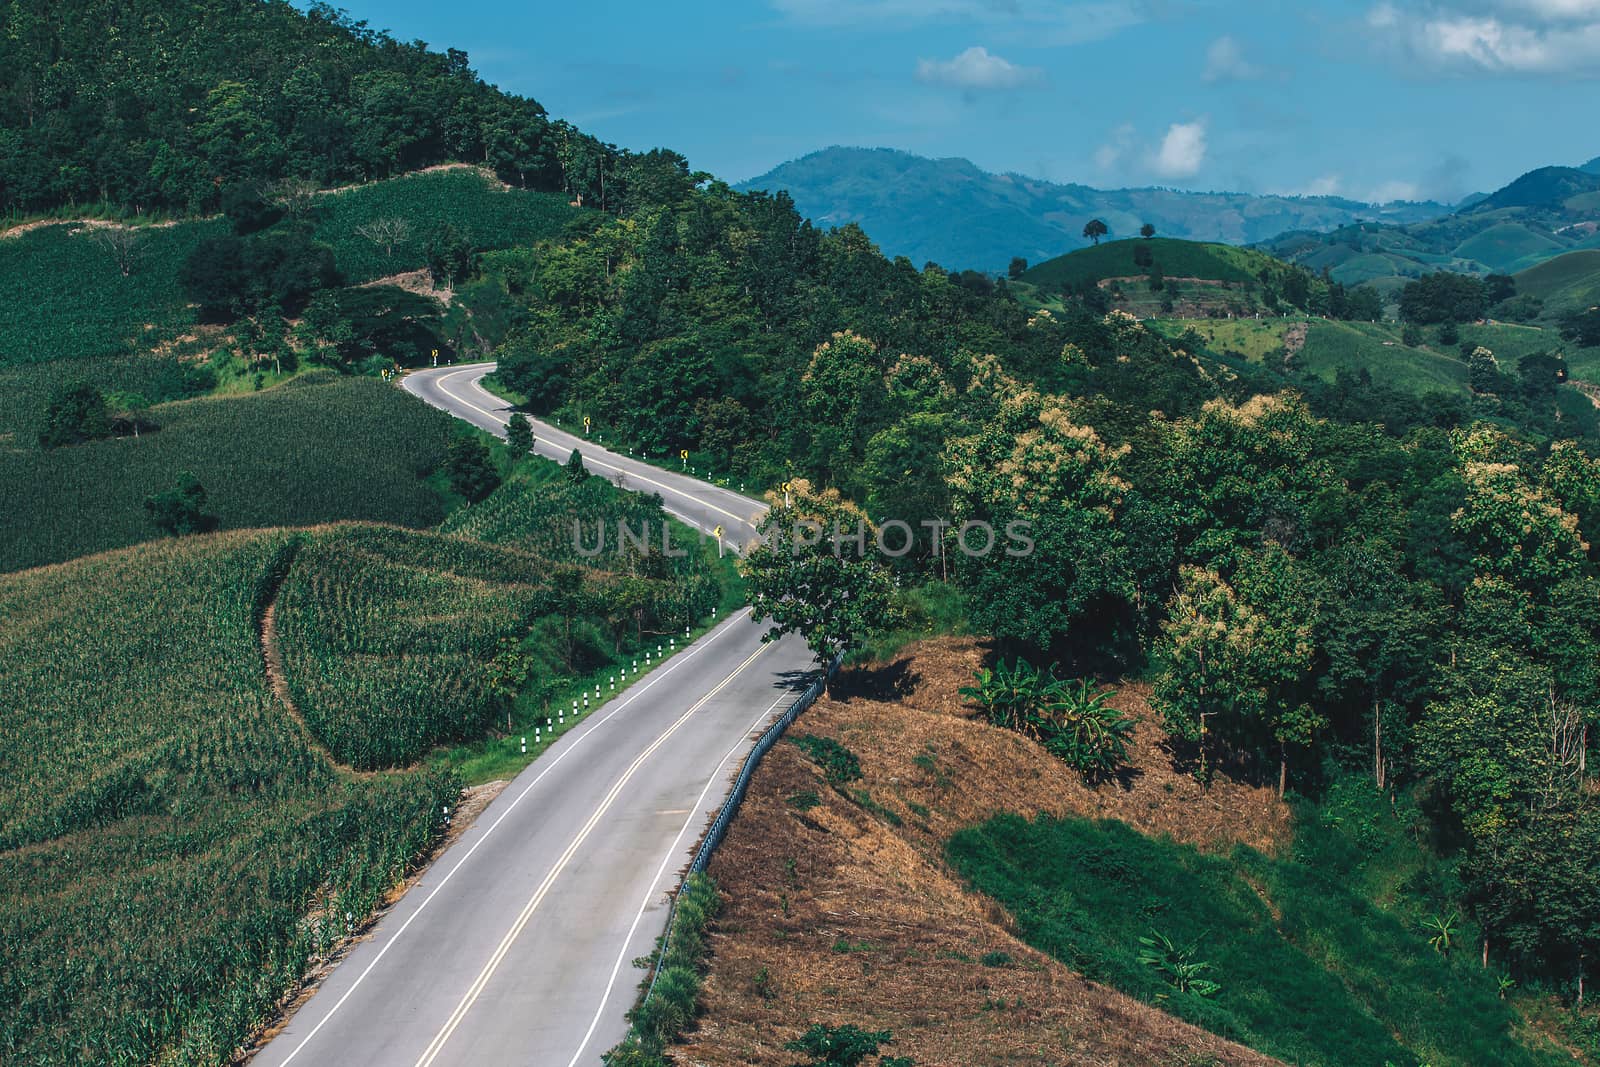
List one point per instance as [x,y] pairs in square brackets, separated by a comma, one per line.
[515,946]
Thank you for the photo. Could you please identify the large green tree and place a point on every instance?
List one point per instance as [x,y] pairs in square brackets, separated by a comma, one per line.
[815,572]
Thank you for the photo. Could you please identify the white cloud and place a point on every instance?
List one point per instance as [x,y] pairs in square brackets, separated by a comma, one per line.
[1183,150]
[1109,155]
[1518,37]
[1226,62]
[1390,191]
[1327,185]
[977,69]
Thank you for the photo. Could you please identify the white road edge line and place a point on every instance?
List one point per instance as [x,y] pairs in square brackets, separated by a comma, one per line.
[661,871]
[590,728]
[475,991]
[597,462]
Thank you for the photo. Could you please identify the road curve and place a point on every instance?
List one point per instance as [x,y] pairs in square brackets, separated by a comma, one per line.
[514,947]
[459,391]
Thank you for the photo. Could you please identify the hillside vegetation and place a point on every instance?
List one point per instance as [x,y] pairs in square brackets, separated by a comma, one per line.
[872,900]
[1307,971]
[395,641]
[1570,282]
[1162,277]
[1178,259]
[839,906]
[213,95]
[106,312]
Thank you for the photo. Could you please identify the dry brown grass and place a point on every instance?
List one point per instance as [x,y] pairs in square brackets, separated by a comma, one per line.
[834,914]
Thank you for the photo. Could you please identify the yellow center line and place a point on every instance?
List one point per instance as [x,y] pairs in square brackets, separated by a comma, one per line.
[599,462]
[476,989]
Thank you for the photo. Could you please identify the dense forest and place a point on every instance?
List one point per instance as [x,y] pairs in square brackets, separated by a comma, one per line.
[1322,580]
[159,107]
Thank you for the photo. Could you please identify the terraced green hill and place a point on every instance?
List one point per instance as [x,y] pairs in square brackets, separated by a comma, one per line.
[1567,283]
[1541,215]
[1177,259]
[104,312]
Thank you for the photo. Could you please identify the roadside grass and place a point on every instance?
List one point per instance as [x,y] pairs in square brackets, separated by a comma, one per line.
[933,609]
[1320,956]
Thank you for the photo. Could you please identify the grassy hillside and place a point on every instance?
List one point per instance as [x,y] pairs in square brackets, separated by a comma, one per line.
[487,214]
[391,638]
[1323,348]
[1307,969]
[1157,277]
[1539,216]
[67,299]
[1178,259]
[173,846]
[1570,282]
[874,901]
[317,449]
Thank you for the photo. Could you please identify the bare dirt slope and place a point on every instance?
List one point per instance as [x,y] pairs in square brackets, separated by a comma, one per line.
[840,908]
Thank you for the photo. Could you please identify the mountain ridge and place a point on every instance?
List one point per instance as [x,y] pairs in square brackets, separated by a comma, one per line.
[896,196]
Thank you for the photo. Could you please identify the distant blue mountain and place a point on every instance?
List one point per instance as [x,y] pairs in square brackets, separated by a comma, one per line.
[950,212]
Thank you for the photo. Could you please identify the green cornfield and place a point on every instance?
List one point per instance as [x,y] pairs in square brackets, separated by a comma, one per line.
[66,298]
[318,449]
[487,215]
[174,847]
[390,636]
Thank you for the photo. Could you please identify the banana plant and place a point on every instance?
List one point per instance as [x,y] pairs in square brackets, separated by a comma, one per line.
[1177,964]
[1443,927]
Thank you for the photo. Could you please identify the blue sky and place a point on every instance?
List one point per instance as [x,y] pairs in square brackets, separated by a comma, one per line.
[1373,100]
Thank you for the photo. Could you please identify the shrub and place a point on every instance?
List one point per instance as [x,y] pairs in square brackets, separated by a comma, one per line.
[843,1046]
[1069,718]
[1177,964]
[181,509]
[471,471]
[76,413]
[669,1005]
[839,765]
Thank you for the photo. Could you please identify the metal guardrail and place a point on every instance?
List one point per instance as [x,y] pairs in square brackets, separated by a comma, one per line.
[730,806]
